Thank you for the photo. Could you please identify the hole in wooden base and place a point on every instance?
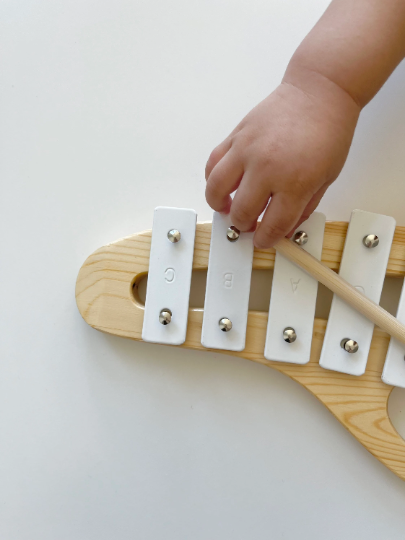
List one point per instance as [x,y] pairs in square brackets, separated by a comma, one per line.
[396,410]
[260,290]
[138,289]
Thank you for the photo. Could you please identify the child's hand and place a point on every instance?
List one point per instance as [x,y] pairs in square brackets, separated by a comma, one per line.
[290,147]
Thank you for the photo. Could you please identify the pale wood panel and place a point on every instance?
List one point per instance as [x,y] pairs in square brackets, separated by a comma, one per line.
[106,291]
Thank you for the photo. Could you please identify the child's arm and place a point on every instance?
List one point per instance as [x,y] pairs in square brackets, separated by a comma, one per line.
[293,145]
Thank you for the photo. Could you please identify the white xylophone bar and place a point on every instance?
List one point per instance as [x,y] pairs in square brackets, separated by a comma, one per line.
[293,299]
[169,279]
[363,265]
[228,286]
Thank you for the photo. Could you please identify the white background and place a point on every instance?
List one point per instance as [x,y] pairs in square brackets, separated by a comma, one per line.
[110,108]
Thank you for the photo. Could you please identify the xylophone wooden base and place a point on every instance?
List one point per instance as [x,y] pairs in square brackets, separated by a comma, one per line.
[106,295]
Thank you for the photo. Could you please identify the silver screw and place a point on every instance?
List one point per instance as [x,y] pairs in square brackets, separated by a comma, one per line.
[165,316]
[174,236]
[232,233]
[349,345]
[371,241]
[289,334]
[300,238]
[225,324]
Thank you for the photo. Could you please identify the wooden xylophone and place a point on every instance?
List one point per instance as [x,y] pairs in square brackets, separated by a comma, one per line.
[349,364]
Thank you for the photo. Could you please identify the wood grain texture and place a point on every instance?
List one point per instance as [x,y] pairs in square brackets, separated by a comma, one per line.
[106,295]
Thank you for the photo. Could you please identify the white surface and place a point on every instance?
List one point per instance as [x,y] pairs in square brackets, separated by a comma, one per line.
[293,299]
[110,109]
[169,275]
[364,268]
[228,286]
[394,367]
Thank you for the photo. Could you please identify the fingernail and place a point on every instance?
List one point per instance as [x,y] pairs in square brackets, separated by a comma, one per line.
[258,245]
[262,245]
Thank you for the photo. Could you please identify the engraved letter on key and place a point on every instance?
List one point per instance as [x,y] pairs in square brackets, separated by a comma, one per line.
[293,300]
[228,280]
[228,286]
[294,284]
[170,275]
[360,289]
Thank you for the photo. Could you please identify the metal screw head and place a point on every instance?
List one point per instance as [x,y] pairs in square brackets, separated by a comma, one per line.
[371,241]
[174,236]
[289,334]
[225,324]
[165,316]
[232,234]
[300,238]
[349,345]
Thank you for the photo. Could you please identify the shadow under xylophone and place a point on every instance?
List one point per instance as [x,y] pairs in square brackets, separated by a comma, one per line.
[346,362]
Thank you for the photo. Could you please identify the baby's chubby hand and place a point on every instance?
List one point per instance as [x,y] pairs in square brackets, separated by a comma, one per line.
[288,149]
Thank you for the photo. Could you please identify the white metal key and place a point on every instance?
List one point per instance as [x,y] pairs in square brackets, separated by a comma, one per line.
[169,278]
[228,286]
[364,261]
[394,366]
[293,298]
